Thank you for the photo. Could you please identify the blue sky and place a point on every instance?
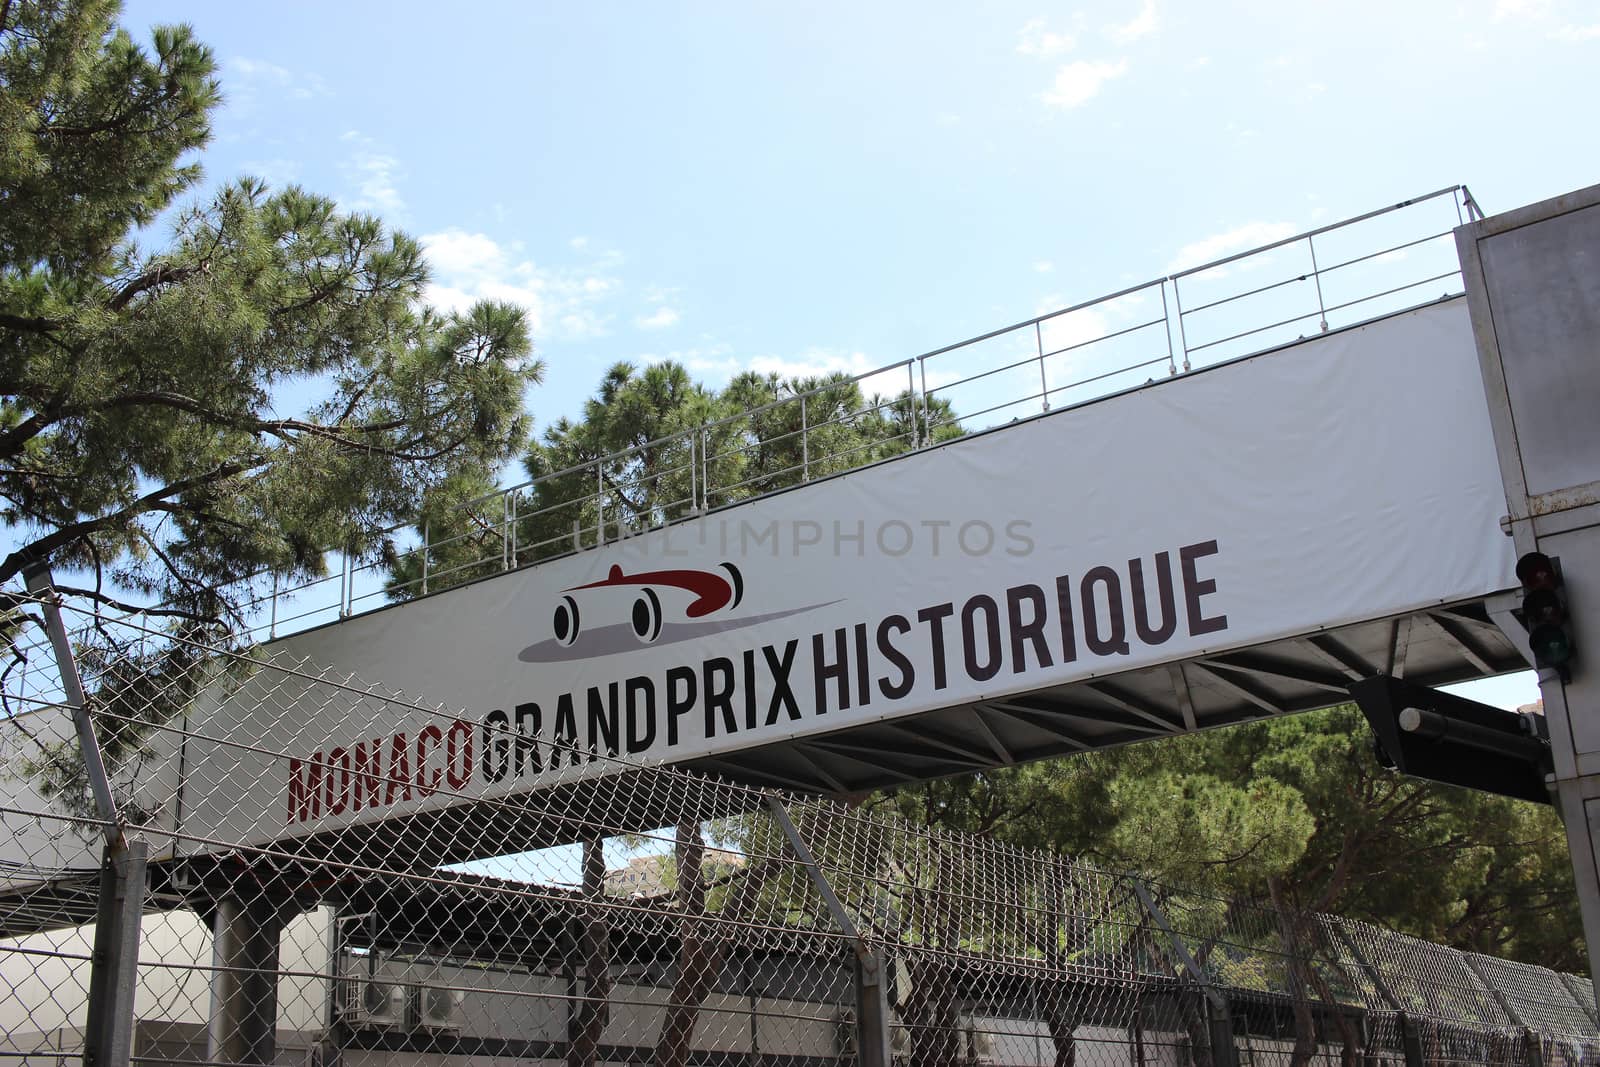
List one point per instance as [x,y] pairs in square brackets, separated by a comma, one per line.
[836,186]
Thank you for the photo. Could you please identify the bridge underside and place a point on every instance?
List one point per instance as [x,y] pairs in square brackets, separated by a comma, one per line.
[1441,646]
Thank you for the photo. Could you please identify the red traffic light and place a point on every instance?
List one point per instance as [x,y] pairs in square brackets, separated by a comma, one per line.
[1537,571]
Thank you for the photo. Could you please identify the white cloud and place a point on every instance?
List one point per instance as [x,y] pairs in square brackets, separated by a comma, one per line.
[275,172]
[1577,34]
[1072,329]
[564,301]
[1516,9]
[1238,239]
[659,319]
[375,175]
[717,365]
[1146,22]
[247,77]
[578,244]
[1043,266]
[1036,40]
[1077,83]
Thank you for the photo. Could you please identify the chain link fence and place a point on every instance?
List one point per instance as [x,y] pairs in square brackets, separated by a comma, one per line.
[255,894]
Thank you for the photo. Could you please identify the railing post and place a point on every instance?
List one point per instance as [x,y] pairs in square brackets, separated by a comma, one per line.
[911,402]
[1166,328]
[514,507]
[1183,337]
[1316,277]
[272,619]
[505,532]
[705,468]
[1044,386]
[927,430]
[425,525]
[599,503]
[805,442]
[694,474]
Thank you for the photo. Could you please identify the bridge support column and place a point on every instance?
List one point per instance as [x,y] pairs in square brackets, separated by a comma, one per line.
[1535,301]
[244,982]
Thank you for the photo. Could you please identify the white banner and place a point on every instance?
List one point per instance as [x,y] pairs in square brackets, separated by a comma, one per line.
[1346,478]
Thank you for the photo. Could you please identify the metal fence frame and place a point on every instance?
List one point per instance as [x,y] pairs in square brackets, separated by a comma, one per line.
[900,944]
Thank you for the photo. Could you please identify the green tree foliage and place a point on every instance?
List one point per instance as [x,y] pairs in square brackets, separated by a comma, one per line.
[1299,806]
[259,389]
[653,446]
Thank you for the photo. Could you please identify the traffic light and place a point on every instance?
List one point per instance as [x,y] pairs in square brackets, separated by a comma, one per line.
[1544,613]
[1445,738]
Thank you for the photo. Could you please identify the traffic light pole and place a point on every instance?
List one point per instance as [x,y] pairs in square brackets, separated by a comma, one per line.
[1535,301]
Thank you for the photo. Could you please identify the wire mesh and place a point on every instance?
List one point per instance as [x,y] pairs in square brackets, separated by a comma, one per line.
[329,894]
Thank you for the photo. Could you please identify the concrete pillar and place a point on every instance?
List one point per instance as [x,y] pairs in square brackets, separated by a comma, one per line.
[244,984]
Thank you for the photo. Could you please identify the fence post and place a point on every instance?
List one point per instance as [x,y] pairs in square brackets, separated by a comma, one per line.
[1219,1020]
[114,969]
[872,1001]
[1411,1040]
[114,975]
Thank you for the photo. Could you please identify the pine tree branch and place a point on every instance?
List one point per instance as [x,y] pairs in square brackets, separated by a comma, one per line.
[153,278]
[28,323]
[43,547]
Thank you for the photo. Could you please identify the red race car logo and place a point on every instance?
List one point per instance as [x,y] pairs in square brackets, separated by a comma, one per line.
[713,590]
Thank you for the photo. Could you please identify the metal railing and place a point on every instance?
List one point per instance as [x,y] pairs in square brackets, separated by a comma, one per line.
[1334,276]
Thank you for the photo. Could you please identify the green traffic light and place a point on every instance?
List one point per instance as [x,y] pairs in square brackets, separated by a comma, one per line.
[1551,644]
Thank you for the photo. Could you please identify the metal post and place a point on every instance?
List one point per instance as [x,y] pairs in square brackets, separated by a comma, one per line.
[1166,328]
[927,430]
[244,981]
[1219,1019]
[599,504]
[425,557]
[1183,338]
[1411,1040]
[1316,278]
[805,442]
[705,468]
[114,977]
[911,400]
[515,505]
[41,586]
[1044,386]
[872,1002]
[694,477]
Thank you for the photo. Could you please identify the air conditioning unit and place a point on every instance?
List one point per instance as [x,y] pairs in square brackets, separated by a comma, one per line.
[980,1041]
[438,1009]
[375,1004]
